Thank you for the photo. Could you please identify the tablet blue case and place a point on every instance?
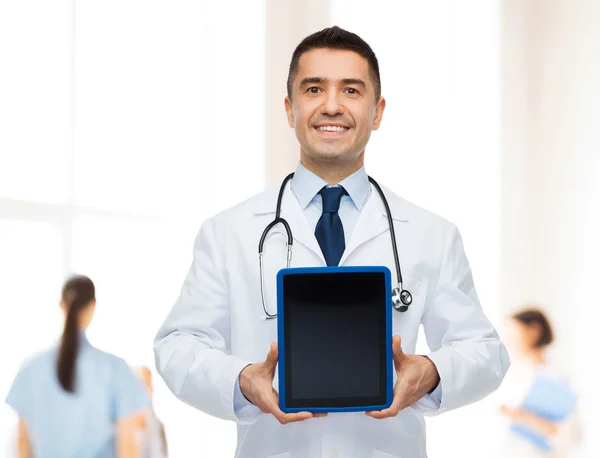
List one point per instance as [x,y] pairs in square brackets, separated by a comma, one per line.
[281,340]
[548,398]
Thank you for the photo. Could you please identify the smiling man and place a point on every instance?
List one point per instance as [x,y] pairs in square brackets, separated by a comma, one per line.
[334,102]
[211,349]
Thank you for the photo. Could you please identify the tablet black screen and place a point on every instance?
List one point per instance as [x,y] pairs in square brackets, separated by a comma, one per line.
[335,349]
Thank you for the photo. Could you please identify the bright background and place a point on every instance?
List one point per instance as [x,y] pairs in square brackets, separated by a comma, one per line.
[125,124]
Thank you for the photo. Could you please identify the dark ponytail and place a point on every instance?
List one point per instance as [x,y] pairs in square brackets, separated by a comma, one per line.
[77,293]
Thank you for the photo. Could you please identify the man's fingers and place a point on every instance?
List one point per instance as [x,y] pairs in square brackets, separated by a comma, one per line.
[385,413]
[272,407]
[391,411]
[285,418]
[293,417]
[399,401]
[270,402]
[381,414]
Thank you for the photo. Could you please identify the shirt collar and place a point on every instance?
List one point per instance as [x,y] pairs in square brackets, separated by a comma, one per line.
[306,185]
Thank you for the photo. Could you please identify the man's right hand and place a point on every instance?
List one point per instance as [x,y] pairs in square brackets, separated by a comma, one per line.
[256,383]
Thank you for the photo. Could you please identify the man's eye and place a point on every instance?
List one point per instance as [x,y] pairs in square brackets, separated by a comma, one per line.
[314,90]
[351,90]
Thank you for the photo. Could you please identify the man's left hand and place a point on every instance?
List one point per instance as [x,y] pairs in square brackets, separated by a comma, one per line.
[417,376]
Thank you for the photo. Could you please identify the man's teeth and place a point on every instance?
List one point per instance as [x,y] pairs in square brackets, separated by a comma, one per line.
[332,128]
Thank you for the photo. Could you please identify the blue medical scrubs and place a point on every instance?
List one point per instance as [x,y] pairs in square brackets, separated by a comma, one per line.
[80,424]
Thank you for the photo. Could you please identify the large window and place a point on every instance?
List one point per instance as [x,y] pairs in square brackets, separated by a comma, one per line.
[119,125]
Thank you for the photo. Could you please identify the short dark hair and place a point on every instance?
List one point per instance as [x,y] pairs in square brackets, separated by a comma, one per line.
[335,38]
[535,317]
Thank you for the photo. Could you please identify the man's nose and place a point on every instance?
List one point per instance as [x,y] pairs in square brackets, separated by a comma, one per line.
[332,106]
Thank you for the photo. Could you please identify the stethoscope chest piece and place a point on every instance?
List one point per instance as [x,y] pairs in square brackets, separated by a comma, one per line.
[401,299]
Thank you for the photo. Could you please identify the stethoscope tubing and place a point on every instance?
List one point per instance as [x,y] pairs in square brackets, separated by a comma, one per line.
[290,241]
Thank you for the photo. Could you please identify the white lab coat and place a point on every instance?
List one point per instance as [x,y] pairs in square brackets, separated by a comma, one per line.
[215,329]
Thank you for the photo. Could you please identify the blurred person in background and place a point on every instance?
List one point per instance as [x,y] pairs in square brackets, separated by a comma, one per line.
[74,401]
[533,390]
[11,446]
[150,432]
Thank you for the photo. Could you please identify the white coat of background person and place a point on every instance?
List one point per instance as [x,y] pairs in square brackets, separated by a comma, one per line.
[211,348]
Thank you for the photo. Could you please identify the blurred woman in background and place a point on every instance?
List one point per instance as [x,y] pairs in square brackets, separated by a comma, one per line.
[534,434]
[73,400]
[150,432]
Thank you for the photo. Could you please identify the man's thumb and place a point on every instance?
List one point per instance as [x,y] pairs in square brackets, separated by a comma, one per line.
[397,349]
[271,360]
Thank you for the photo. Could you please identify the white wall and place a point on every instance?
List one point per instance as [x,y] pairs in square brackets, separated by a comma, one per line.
[288,22]
[551,158]
[119,125]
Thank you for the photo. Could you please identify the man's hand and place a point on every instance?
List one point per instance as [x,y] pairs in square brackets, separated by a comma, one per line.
[256,383]
[417,375]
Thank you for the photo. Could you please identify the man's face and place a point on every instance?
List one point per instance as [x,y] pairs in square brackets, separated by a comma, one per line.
[332,107]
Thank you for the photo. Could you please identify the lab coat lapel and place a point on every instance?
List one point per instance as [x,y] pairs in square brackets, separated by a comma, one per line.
[372,221]
[292,212]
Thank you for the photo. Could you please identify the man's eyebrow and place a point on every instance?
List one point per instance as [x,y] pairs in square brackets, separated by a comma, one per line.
[355,81]
[313,80]
[319,80]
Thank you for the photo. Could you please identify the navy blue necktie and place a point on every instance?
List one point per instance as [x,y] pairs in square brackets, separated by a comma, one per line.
[329,231]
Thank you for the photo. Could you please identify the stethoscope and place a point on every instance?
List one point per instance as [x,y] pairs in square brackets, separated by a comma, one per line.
[401,298]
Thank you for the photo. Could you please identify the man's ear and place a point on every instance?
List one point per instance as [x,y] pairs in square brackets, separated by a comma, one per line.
[379,108]
[289,111]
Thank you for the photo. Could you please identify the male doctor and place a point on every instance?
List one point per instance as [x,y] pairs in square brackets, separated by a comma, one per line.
[216,353]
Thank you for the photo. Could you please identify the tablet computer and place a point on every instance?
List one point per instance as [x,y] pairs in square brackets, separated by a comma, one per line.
[335,339]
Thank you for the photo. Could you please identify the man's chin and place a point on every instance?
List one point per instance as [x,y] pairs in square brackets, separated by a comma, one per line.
[332,157]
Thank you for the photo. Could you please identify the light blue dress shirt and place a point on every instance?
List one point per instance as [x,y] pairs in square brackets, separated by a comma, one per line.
[79,424]
[306,186]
